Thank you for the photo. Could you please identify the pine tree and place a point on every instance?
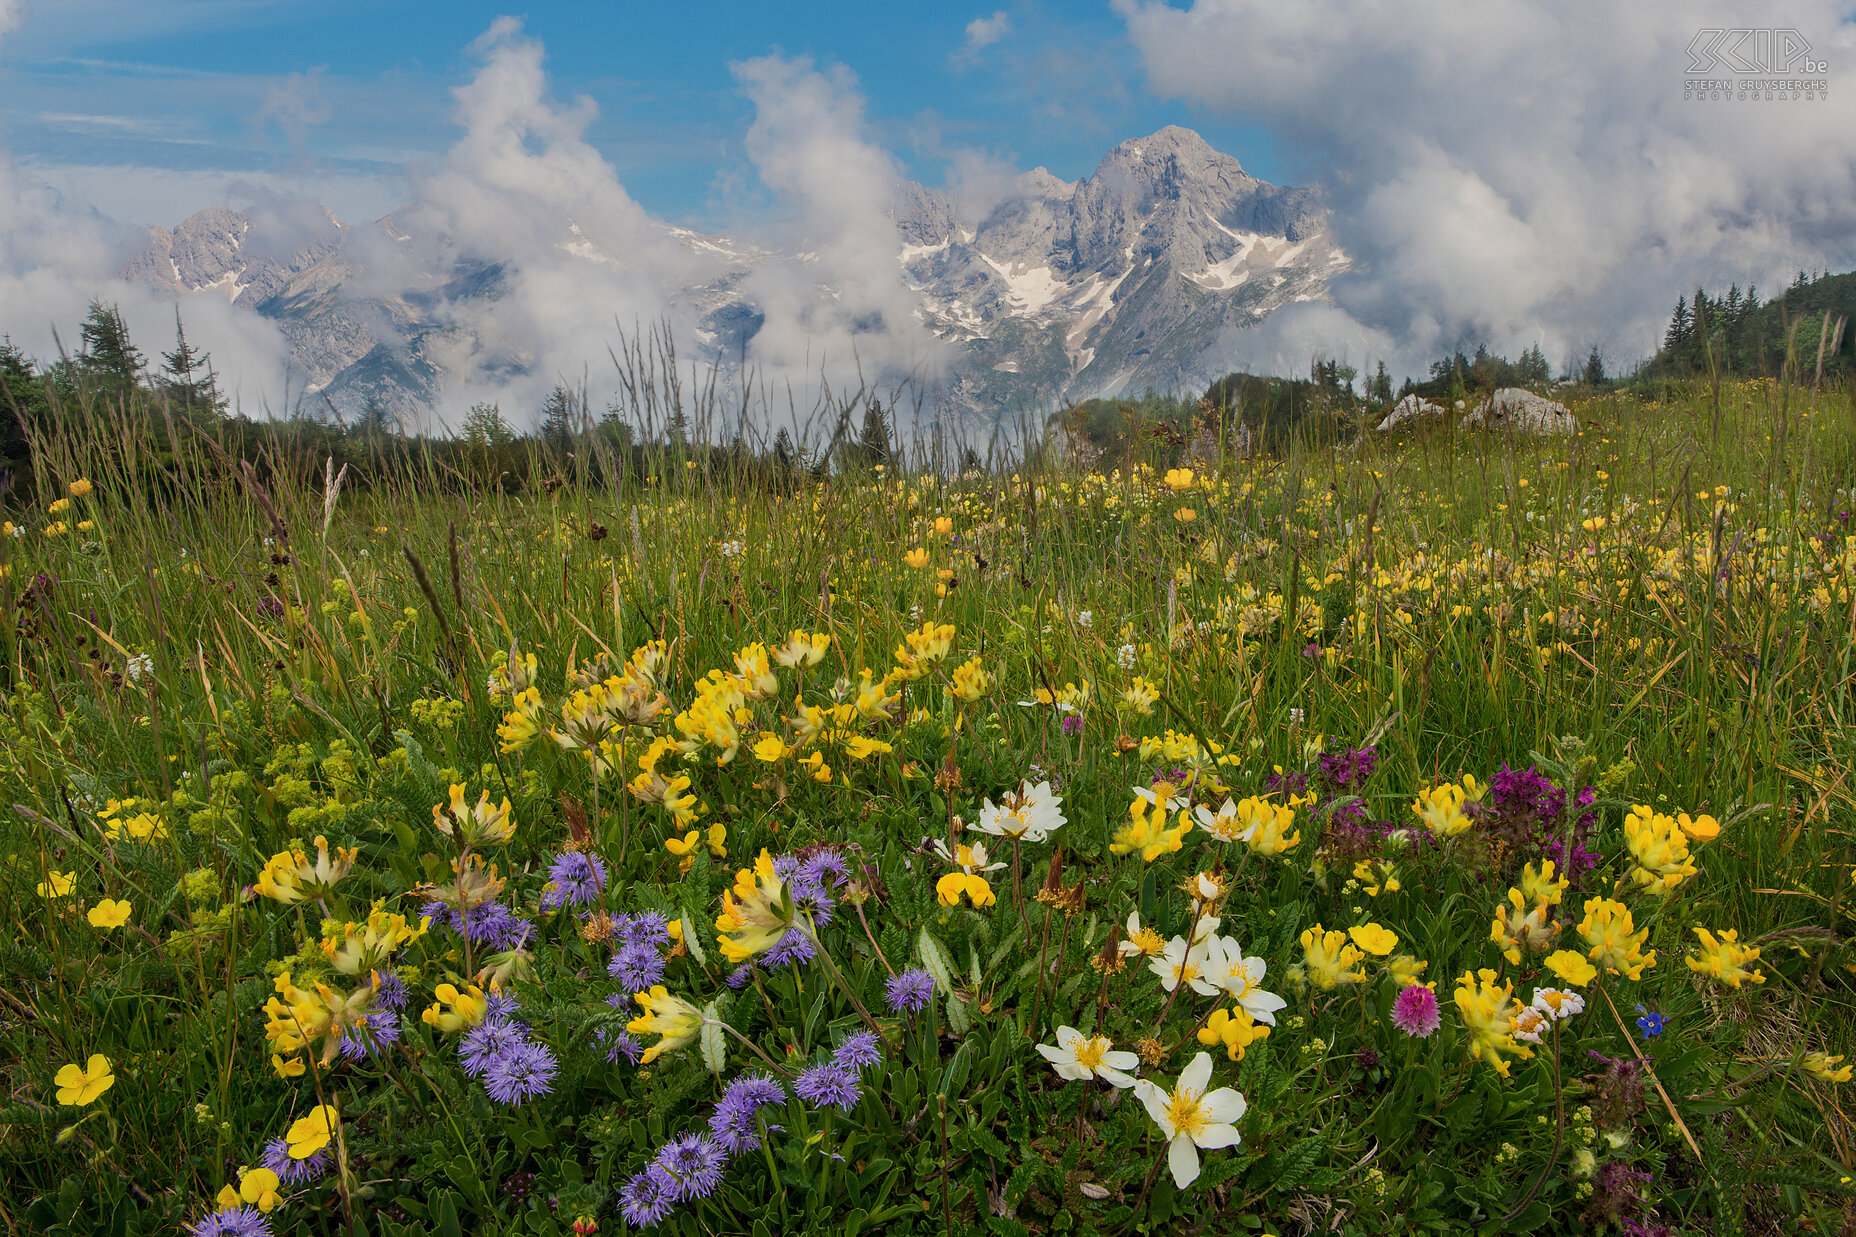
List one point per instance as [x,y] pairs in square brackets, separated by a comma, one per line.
[1379,388]
[1594,369]
[783,451]
[558,419]
[375,420]
[187,377]
[873,441]
[109,359]
[1675,339]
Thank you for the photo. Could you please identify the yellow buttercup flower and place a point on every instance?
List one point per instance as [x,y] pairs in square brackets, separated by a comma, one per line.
[80,1086]
[1724,959]
[81,488]
[1700,829]
[1490,1012]
[916,558]
[109,913]
[1329,959]
[58,885]
[1614,945]
[1571,967]
[1374,938]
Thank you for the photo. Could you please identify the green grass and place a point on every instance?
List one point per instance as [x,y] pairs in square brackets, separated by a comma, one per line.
[1449,597]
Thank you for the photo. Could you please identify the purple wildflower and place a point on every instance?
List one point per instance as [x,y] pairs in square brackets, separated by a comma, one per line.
[792,949]
[1348,769]
[489,1042]
[644,928]
[909,991]
[637,967]
[1285,784]
[389,991]
[499,1005]
[1072,724]
[574,879]
[694,1163]
[379,1029]
[738,978]
[733,1121]
[291,1171]
[1414,1011]
[232,1222]
[645,1200]
[522,1073]
[621,1044]
[859,1052]
[828,1086]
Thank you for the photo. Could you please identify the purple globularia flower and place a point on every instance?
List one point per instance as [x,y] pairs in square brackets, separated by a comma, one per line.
[489,1042]
[738,978]
[232,1222]
[733,1122]
[499,1005]
[637,966]
[645,1200]
[793,948]
[621,1044]
[694,1163]
[574,879]
[859,1052]
[644,928]
[522,1073]
[291,1171]
[828,1086]
[909,991]
[380,1029]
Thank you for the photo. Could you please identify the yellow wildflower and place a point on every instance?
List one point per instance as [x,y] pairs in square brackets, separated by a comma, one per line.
[1490,1012]
[673,1018]
[1608,931]
[1725,959]
[80,1086]
[1235,1029]
[1329,960]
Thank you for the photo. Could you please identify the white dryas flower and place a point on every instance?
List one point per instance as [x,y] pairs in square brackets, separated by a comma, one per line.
[1029,814]
[1078,1058]
[1190,1118]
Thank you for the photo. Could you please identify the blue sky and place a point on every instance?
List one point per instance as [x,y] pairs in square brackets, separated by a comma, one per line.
[140,107]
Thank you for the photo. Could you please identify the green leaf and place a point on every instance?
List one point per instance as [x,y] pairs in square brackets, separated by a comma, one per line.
[714,1048]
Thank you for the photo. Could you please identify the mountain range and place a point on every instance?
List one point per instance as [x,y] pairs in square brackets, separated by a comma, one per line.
[1138,276]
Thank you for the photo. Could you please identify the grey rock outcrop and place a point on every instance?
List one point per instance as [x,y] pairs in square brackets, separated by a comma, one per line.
[1522,411]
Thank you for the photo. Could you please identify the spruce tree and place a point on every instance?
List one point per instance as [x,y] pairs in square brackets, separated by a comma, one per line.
[873,441]
[1594,369]
[109,359]
[558,419]
[187,377]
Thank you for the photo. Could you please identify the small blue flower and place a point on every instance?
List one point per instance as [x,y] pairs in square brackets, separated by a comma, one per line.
[1651,1023]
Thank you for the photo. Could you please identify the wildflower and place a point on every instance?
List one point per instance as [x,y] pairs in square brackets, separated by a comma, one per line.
[467,1008]
[474,827]
[756,912]
[78,1087]
[1558,1003]
[646,1198]
[923,649]
[574,879]
[310,1134]
[860,1050]
[1658,847]
[1374,938]
[952,887]
[636,966]
[1182,963]
[1235,1029]
[802,649]
[1141,696]
[1725,959]
[1405,969]
[1124,657]
[970,682]
[523,1072]
[1329,960]
[1824,1066]
[1147,831]
[58,885]
[1190,1118]
[1441,810]
[108,913]
[1079,1058]
[291,1170]
[235,1221]
[488,1043]
[909,991]
[1029,814]
[916,558]
[258,1186]
[521,724]
[1265,827]
[80,488]
[828,1086]
[318,1012]
[1651,1023]
[1414,1011]
[1240,978]
[290,877]
[1140,942]
[1607,930]
[672,1018]
[1571,967]
[366,946]
[733,1122]
[1376,876]
[1700,829]
[1489,1010]
[1517,926]
[694,1164]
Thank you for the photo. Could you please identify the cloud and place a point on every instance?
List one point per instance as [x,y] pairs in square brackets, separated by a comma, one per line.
[295,107]
[1525,172]
[983,32]
[12,12]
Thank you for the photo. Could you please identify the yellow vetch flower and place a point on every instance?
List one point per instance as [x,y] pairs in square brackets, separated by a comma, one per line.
[290,877]
[1519,926]
[1441,810]
[310,1134]
[923,649]
[78,1087]
[1405,969]
[1490,1011]
[673,1018]
[802,649]
[858,747]
[756,913]
[109,913]
[1329,959]
[1659,848]
[291,1068]
[522,724]
[356,948]
[258,1186]
[949,888]
[1608,931]
[454,1010]
[475,827]
[1147,830]
[970,682]
[1823,1065]
[1268,826]
[1376,876]
[1540,886]
[1725,959]
[319,1012]
[1235,1029]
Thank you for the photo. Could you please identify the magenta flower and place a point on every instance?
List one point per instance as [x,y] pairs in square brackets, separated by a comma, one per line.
[1414,1011]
